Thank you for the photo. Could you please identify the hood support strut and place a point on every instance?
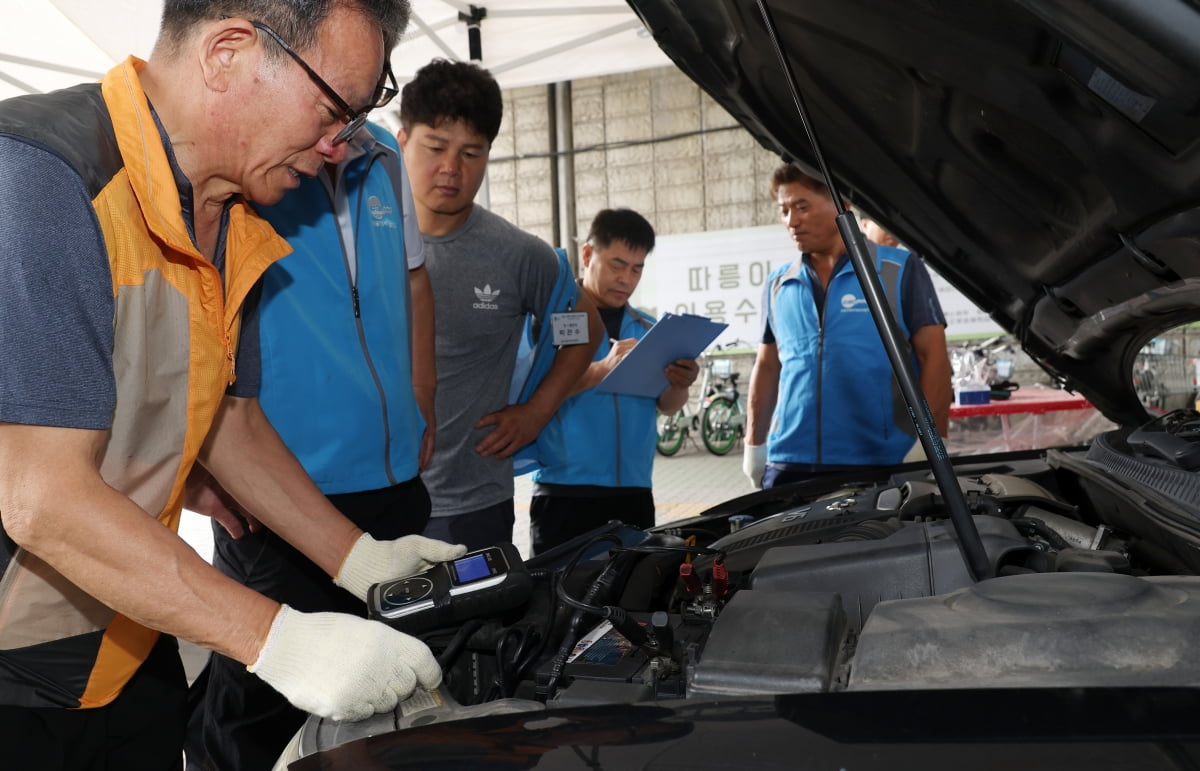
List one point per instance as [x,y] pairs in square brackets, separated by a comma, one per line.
[898,351]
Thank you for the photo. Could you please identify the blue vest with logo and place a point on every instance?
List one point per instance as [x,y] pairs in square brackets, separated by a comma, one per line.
[838,401]
[335,324]
[609,438]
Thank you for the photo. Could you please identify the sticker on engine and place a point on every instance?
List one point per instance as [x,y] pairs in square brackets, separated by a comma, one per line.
[603,645]
[420,701]
[588,640]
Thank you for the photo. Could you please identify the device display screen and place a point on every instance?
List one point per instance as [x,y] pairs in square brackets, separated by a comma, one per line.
[471,568]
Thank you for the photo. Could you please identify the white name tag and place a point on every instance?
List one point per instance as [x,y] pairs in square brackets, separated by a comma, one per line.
[569,328]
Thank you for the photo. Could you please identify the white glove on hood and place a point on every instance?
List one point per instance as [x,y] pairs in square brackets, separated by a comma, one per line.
[342,667]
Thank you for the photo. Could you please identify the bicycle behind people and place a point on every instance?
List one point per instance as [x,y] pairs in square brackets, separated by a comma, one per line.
[675,428]
[723,420]
[717,412]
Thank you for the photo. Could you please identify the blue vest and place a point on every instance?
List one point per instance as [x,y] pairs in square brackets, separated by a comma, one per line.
[609,438]
[535,357]
[336,354]
[838,400]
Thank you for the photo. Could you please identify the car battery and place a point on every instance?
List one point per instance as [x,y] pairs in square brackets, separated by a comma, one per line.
[604,667]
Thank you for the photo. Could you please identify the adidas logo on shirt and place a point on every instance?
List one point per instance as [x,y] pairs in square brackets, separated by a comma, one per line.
[486,298]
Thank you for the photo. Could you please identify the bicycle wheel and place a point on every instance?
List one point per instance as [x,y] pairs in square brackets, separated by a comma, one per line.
[717,427]
[671,430]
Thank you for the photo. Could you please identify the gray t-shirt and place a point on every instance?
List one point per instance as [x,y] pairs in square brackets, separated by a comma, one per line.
[486,276]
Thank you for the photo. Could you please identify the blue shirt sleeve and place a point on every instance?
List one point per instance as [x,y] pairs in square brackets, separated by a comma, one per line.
[56,295]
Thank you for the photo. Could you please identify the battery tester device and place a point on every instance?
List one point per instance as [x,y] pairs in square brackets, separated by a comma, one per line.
[480,583]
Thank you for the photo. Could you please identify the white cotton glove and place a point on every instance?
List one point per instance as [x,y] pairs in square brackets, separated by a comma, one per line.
[372,562]
[754,463]
[915,453]
[342,667]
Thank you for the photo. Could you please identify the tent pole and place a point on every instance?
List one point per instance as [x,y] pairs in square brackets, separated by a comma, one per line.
[563,154]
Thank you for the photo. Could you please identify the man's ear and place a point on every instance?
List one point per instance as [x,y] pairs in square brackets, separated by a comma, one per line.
[585,255]
[402,138]
[224,47]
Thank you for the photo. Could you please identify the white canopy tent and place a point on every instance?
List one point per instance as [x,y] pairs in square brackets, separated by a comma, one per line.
[529,42]
[42,48]
[49,44]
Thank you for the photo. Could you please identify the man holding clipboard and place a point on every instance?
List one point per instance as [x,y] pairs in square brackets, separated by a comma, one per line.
[609,435]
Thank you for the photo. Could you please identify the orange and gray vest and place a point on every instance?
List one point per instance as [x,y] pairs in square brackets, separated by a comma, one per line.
[175,329]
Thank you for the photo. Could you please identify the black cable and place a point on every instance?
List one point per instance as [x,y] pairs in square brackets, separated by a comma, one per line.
[534,654]
[605,610]
[581,608]
[455,646]
[509,665]
[601,581]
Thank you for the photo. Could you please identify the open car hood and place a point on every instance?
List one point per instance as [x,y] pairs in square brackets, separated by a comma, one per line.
[1040,154]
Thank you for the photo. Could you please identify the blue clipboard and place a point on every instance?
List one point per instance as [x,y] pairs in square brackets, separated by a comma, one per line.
[640,373]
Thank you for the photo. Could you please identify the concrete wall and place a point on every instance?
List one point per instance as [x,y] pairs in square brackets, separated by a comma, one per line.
[650,140]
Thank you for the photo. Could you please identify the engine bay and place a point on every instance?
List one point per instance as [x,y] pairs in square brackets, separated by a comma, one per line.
[845,584]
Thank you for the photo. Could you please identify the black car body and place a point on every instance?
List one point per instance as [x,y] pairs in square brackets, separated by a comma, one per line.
[1043,156]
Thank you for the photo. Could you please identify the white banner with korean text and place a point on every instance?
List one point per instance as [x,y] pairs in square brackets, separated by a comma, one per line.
[721,274]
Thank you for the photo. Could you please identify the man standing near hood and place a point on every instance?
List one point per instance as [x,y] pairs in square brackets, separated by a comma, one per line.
[487,277]
[348,382]
[822,395]
[611,478]
[129,254]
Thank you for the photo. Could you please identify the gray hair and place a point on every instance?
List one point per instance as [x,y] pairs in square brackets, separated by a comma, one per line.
[296,21]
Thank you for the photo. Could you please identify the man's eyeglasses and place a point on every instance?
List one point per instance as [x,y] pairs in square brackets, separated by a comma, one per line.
[384,91]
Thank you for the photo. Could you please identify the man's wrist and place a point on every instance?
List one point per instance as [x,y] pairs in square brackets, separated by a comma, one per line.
[256,622]
[539,410]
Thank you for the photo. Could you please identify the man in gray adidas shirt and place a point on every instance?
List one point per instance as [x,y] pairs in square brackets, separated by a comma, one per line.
[486,276]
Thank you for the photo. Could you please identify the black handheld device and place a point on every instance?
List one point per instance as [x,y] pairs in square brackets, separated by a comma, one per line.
[480,583]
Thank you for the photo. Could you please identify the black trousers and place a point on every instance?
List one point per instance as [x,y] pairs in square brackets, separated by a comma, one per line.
[779,474]
[143,728]
[476,529]
[238,722]
[555,519]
